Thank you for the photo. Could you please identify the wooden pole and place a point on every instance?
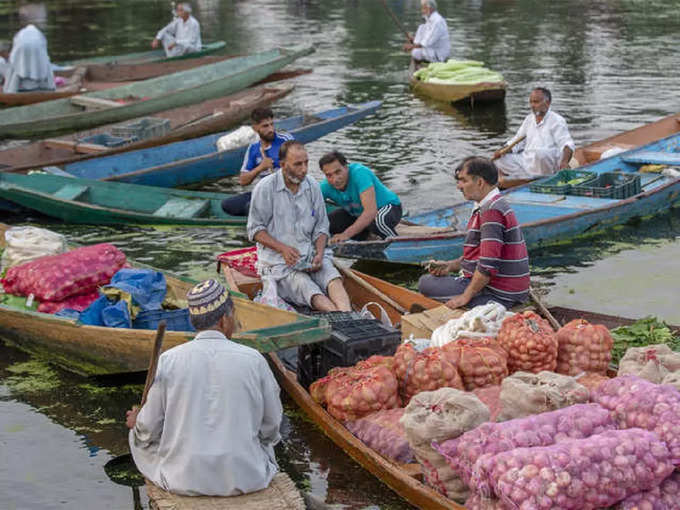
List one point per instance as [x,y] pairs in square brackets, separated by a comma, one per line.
[348,273]
[508,148]
[544,310]
[153,362]
[396,21]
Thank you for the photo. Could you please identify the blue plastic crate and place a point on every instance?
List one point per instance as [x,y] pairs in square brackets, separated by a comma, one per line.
[176,320]
[107,140]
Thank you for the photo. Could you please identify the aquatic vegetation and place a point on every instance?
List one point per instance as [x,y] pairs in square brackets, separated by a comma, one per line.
[32,377]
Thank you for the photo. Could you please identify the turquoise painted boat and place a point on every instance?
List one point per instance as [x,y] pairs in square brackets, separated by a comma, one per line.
[545,218]
[144,57]
[197,161]
[100,203]
[145,97]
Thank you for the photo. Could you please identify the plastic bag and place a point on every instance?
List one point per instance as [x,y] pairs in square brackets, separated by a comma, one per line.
[367,314]
[103,312]
[270,296]
[240,137]
[29,243]
[481,321]
[147,287]
[56,277]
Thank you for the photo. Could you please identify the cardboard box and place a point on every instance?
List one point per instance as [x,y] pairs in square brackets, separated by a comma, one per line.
[421,325]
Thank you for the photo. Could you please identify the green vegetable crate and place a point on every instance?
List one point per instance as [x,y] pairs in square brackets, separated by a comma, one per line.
[563,181]
[609,185]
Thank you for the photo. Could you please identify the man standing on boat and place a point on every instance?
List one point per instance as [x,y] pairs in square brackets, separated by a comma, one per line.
[495,262]
[213,413]
[366,205]
[182,35]
[547,148]
[431,43]
[260,160]
[288,221]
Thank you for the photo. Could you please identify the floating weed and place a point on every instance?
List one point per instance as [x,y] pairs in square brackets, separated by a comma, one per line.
[32,377]
[107,421]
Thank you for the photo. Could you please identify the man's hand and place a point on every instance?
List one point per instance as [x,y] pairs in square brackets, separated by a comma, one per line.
[438,267]
[131,417]
[171,46]
[497,154]
[408,46]
[338,238]
[317,261]
[266,163]
[458,301]
[155,43]
[289,254]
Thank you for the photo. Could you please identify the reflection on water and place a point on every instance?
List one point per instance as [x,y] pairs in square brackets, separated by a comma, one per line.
[611,66]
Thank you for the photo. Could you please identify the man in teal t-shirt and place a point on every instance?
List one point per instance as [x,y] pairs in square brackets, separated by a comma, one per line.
[366,204]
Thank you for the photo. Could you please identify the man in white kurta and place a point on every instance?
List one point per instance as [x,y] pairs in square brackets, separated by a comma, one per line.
[431,42]
[182,35]
[212,416]
[28,68]
[548,146]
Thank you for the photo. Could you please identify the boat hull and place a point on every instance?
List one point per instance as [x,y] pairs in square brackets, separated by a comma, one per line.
[485,92]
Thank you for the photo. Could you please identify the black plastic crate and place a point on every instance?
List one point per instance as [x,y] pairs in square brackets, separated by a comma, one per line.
[552,185]
[333,317]
[610,185]
[351,341]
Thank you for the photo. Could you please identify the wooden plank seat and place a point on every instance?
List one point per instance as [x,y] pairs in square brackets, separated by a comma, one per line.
[653,158]
[71,191]
[94,103]
[413,230]
[182,208]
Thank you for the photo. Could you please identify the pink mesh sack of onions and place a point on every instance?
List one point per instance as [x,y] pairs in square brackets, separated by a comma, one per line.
[56,277]
[635,402]
[661,497]
[478,502]
[79,303]
[574,422]
[580,474]
[383,433]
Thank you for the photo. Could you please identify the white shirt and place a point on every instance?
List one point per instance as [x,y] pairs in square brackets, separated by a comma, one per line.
[487,198]
[433,36]
[29,66]
[211,420]
[186,34]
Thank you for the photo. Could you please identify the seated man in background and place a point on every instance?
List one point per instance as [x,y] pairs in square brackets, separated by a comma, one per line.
[213,413]
[182,35]
[260,160]
[366,204]
[28,68]
[431,43]
[495,262]
[548,146]
[288,221]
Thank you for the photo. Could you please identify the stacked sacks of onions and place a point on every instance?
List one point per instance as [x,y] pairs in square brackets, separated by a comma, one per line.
[481,362]
[530,342]
[577,474]
[661,497]
[431,369]
[583,347]
[635,402]
[382,432]
[437,416]
[352,393]
[470,454]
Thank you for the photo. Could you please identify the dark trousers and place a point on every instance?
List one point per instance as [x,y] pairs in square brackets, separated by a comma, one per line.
[443,288]
[383,225]
[237,205]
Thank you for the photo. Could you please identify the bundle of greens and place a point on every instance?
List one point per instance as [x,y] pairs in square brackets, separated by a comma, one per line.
[458,72]
[647,331]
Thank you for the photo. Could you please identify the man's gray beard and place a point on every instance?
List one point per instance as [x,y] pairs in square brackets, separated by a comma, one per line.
[292,179]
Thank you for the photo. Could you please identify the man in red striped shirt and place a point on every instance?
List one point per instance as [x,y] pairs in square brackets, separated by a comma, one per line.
[495,262]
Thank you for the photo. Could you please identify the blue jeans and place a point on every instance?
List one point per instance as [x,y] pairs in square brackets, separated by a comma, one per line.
[443,288]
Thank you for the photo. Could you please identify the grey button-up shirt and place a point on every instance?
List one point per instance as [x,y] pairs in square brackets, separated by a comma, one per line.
[293,219]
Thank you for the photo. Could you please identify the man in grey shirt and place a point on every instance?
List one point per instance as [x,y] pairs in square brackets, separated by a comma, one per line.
[288,221]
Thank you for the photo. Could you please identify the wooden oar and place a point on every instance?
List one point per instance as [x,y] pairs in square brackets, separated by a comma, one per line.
[508,148]
[153,362]
[396,21]
[347,273]
[544,309]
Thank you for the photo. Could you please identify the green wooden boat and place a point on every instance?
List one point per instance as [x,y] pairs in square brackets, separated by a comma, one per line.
[145,97]
[103,203]
[145,57]
[97,350]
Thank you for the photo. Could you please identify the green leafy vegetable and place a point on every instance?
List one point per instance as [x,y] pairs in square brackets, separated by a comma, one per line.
[647,331]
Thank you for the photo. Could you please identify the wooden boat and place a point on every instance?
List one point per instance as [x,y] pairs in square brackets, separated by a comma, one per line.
[544,218]
[144,97]
[197,161]
[106,203]
[73,85]
[186,122]
[148,56]
[95,350]
[482,92]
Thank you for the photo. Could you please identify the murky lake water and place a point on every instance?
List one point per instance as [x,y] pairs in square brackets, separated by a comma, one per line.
[611,66]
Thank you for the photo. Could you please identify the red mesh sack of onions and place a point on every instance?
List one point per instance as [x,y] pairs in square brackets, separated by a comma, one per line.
[530,342]
[56,277]
[383,433]
[583,347]
[361,392]
[635,402]
[79,303]
[661,497]
[429,370]
[574,422]
[491,398]
[481,362]
[579,474]
[337,375]
[376,360]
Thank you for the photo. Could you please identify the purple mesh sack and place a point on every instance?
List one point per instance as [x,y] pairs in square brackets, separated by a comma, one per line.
[661,497]
[382,432]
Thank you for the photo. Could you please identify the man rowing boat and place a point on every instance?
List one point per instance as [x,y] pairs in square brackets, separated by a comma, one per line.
[431,43]
[182,35]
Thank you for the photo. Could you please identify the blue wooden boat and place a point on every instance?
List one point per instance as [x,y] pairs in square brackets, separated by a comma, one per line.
[197,161]
[545,218]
